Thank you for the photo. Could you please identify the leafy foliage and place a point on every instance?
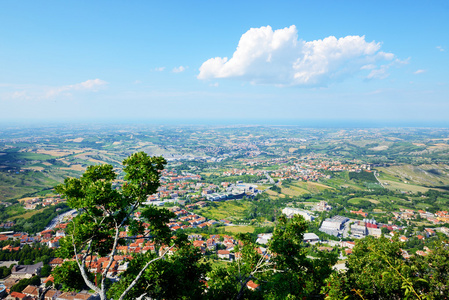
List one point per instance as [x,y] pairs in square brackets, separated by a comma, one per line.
[284,273]
[35,253]
[377,270]
[105,211]
[176,277]
[68,277]
[22,284]
[5,271]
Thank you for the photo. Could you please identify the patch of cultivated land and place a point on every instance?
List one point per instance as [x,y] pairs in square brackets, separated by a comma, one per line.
[34,168]
[274,194]
[28,214]
[216,263]
[379,148]
[339,182]
[358,200]
[58,152]
[14,185]
[74,168]
[428,174]
[26,198]
[232,210]
[263,187]
[405,187]
[293,191]
[239,229]
[312,187]
[77,140]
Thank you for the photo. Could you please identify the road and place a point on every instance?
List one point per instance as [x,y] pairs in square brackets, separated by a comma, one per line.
[59,219]
[269,178]
[375,175]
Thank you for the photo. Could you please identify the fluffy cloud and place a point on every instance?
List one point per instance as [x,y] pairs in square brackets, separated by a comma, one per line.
[419,71]
[88,85]
[279,57]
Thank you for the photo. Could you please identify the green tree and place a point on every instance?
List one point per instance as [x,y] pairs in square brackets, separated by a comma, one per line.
[45,271]
[283,272]
[106,210]
[377,270]
[176,277]
[296,275]
[432,271]
[4,272]
[229,282]
[68,276]
[22,284]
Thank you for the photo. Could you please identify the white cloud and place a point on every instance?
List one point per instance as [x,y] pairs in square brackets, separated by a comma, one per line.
[419,71]
[39,92]
[381,72]
[440,48]
[278,57]
[88,85]
[368,67]
[214,84]
[159,69]
[179,69]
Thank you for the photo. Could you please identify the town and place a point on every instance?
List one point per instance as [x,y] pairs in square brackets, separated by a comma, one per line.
[217,192]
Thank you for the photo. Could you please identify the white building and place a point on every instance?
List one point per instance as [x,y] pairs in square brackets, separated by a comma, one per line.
[334,225]
[310,238]
[290,212]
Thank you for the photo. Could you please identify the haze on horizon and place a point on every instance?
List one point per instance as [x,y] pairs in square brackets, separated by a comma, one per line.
[296,62]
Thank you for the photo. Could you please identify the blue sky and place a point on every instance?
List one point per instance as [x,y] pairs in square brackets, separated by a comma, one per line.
[373,62]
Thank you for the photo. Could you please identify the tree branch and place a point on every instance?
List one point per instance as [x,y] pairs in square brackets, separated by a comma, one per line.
[83,270]
[111,256]
[141,273]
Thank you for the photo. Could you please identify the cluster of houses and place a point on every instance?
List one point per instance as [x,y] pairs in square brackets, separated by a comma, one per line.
[304,168]
[7,224]
[34,202]
[48,237]
[187,219]
[440,217]
[174,187]
[30,292]
[223,246]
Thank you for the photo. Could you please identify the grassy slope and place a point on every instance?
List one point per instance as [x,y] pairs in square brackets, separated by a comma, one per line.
[232,210]
[14,185]
[423,175]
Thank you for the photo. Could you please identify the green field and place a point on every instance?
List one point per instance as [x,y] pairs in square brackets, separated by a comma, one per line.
[356,201]
[293,191]
[341,180]
[401,186]
[28,214]
[424,175]
[232,210]
[17,184]
[312,187]
[216,263]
